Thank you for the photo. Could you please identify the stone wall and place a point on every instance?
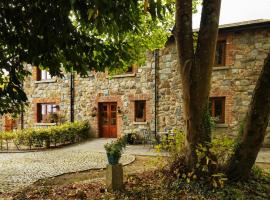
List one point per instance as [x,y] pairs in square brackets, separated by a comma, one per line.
[245,52]
[92,90]
[51,91]
[123,89]
[1,123]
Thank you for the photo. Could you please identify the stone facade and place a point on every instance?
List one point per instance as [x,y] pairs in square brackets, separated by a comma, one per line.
[246,48]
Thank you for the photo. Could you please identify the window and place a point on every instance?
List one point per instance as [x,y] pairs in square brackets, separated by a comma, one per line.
[44,110]
[43,75]
[129,70]
[140,115]
[220,53]
[217,109]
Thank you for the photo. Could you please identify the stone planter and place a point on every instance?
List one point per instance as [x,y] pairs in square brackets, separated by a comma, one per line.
[114,177]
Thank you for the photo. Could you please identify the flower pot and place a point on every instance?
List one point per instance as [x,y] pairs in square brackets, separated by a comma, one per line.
[112,159]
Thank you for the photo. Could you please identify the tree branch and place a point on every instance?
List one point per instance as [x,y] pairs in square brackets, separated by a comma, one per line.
[207,38]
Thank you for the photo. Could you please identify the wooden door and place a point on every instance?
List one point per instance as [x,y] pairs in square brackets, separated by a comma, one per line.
[10,124]
[108,120]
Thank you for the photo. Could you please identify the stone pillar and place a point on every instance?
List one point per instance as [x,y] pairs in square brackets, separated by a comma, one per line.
[114,177]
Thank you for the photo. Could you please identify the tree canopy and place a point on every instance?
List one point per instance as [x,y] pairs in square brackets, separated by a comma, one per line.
[80,34]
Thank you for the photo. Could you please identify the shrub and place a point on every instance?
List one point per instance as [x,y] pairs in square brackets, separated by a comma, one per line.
[114,149]
[209,168]
[38,137]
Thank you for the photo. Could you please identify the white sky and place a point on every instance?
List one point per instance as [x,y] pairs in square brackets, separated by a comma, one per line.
[239,10]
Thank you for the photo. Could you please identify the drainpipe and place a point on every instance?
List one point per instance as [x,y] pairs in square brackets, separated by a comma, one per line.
[22,114]
[22,119]
[156,57]
[72,95]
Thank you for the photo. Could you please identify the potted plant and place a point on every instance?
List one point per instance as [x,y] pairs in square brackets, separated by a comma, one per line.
[114,150]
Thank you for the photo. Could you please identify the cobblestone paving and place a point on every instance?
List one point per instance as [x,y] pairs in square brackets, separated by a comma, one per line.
[21,169]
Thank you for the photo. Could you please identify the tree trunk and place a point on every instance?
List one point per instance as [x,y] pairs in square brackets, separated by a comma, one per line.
[196,70]
[254,128]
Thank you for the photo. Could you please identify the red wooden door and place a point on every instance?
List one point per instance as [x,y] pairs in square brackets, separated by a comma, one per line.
[107,120]
[10,124]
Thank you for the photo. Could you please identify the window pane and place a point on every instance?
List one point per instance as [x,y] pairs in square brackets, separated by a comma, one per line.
[217,109]
[54,109]
[220,53]
[43,75]
[49,108]
[113,121]
[129,70]
[139,111]
[113,114]
[113,107]
[49,75]
[105,121]
[43,109]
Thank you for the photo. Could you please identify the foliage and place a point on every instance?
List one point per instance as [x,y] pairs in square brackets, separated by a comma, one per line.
[147,185]
[82,35]
[54,118]
[172,143]
[115,148]
[209,169]
[62,134]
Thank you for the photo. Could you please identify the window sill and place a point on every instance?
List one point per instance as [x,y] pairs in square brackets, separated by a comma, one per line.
[140,123]
[123,75]
[222,125]
[45,124]
[45,81]
[220,68]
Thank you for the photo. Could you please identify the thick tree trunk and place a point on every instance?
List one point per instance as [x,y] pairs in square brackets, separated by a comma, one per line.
[252,135]
[196,70]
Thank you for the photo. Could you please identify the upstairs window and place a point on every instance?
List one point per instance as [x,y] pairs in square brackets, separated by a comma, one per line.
[217,109]
[140,108]
[43,75]
[130,70]
[220,53]
[44,110]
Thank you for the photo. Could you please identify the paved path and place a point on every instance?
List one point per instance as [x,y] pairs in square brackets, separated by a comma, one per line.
[21,169]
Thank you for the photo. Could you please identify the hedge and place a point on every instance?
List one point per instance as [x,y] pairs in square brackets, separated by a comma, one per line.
[66,133]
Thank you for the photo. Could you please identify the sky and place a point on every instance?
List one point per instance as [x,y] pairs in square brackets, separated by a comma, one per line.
[239,10]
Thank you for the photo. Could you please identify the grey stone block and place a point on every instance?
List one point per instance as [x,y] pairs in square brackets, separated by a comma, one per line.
[114,177]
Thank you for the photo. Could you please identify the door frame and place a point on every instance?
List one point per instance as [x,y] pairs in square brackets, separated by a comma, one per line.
[100,133]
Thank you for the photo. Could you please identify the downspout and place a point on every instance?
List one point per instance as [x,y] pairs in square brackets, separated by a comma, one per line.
[156,61]
[22,115]
[72,95]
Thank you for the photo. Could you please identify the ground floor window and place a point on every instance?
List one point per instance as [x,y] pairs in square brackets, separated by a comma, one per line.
[217,109]
[45,111]
[140,114]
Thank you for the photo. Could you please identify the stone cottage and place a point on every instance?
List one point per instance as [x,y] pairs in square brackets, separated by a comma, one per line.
[149,97]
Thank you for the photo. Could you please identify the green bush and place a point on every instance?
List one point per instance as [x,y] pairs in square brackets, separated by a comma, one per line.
[211,160]
[45,137]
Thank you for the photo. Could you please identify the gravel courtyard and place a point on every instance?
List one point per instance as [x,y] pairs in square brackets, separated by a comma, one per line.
[18,170]
[21,169]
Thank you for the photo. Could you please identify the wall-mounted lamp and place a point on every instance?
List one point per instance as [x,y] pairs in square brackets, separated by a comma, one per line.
[94,112]
[119,110]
